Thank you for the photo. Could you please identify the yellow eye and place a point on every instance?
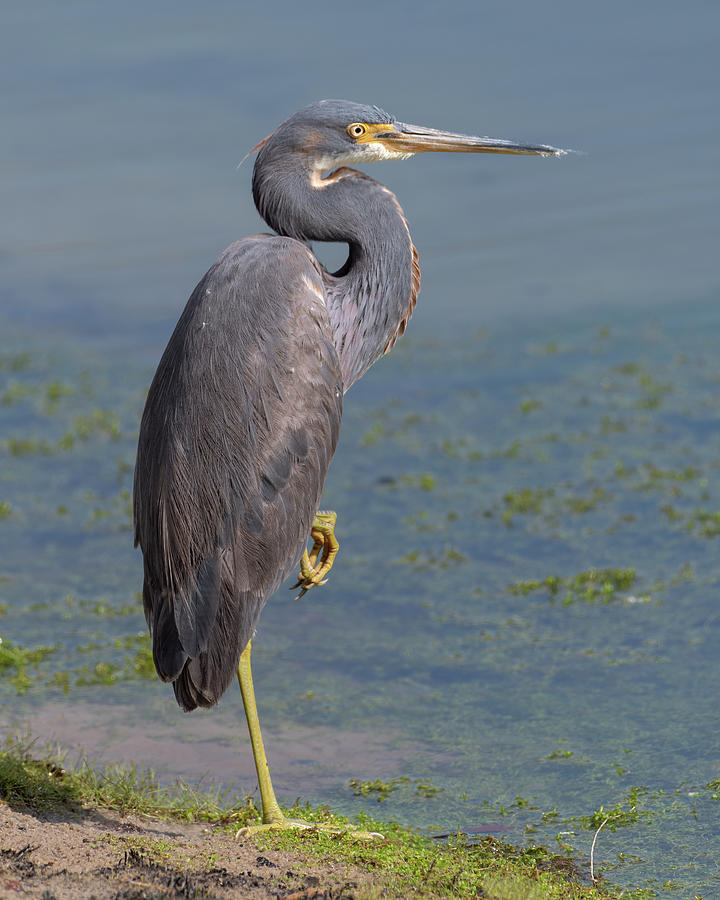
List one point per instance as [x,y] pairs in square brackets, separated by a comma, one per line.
[356,130]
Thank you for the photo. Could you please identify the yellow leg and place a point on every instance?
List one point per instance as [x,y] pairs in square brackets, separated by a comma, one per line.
[271,809]
[312,569]
[272,814]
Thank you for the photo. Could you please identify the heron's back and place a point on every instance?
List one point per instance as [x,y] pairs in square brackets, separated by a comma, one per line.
[239,428]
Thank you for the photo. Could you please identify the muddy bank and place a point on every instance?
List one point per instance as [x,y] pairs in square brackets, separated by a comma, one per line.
[100,854]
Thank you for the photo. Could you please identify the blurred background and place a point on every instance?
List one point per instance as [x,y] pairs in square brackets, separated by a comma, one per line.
[552,412]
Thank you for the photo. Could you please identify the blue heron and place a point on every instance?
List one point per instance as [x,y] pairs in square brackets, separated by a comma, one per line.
[243,414]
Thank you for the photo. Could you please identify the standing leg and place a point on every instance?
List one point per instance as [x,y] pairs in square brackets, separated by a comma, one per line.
[271,809]
[272,814]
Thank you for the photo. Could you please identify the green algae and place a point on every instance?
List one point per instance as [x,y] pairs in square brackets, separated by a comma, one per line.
[381,790]
[550,502]
[423,561]
[592,586]
[15,362]
[17,663]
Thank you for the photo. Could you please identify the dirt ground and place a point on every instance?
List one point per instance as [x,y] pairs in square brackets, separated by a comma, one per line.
[103,855]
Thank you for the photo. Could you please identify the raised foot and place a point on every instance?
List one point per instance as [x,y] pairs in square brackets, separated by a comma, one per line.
[314,566]
[348,831]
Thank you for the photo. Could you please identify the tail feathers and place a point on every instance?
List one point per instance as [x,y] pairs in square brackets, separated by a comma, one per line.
[189,689]
[202,674]
[196,607]
[206,677]
[200,685]
[168,653]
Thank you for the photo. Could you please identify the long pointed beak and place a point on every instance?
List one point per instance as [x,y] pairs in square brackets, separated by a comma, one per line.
[417,139]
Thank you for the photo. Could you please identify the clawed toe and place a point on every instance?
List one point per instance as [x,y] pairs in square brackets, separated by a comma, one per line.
[314,566]
[348,831]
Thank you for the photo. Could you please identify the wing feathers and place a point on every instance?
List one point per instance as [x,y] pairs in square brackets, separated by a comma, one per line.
[239,428]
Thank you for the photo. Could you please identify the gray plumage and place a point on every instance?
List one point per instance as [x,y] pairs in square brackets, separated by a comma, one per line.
[240,424]
[243,413]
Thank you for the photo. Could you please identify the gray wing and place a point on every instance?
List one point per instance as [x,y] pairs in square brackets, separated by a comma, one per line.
[239,428]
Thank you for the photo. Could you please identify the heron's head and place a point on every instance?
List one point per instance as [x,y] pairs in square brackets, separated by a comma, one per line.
[337,132]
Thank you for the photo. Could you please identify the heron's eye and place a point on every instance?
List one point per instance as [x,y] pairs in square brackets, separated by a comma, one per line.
[356,130]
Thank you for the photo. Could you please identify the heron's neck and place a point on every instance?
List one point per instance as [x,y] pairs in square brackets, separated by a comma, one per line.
[372,297]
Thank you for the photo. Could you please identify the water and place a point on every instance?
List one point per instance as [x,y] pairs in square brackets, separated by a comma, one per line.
[564,345]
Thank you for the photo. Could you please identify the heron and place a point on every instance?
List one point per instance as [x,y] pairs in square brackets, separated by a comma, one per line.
[243,415]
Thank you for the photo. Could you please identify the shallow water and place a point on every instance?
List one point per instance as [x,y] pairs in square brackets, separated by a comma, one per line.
[554,409]
[416,660]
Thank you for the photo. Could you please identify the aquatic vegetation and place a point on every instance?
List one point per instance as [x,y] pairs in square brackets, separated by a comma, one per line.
[382,789]
[548,349]
[141,665]
[523,502]
[608,425]
[137,665]
[627,811]
[426,481]
[391,427]
[15,362]
[100,607]
[629,368]
[647,476]
[420,560]
[54,392]
[549,502]
[652,391]
[15,391]
[98,422]
[512,451]
[592,586]
[26,446]
[455,447]
[373,435]
[5,510]
[529,405]
[15,662]
[703,522]
[564,752]
[579,504]
[118,512]
[47,395]
[103,673]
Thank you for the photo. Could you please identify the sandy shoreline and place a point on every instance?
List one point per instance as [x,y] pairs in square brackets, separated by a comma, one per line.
[101,854]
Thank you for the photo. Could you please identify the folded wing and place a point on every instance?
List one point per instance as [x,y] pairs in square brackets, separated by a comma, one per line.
[239,428]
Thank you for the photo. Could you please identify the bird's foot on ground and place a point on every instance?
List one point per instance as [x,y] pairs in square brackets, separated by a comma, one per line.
[348,831]
[314,566]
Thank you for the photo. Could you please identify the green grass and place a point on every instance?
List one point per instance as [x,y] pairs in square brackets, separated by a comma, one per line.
[44,781]
[403,864]
[408,864]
